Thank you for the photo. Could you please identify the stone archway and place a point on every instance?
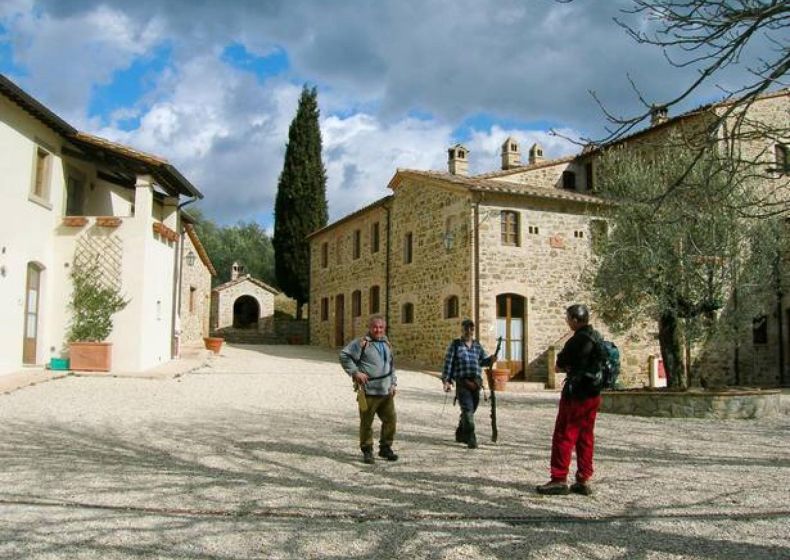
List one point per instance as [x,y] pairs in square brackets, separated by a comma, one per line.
[246,312]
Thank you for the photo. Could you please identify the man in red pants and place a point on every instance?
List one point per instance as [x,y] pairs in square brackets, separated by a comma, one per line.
[578,407]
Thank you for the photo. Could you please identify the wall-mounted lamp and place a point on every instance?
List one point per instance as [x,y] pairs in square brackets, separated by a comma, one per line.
[190,258]
[449,240]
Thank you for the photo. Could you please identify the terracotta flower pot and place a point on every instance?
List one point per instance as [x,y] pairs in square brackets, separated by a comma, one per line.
[213,343]
[498,378]
[90,356]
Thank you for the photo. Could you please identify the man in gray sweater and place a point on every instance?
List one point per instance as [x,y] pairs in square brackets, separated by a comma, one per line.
[368,361]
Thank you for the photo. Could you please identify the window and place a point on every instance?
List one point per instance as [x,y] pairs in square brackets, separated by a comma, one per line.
[374,237]
[578,234]
[782,161]
[324,255]
[374,299]
[760,330]
[451,307]
[75,196]
[407,248]
[568,180]
[356,303]
[192,290]
[588,173]
[357,243]
[324,309]
[509,224]
[42,173]
[533,230]
[407,313]
[339,250]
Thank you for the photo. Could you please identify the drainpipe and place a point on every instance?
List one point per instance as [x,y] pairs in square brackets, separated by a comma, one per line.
[387,268]
[476,267]
[177,276]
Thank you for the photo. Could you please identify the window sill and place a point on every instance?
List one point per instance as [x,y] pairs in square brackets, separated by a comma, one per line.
[40,201]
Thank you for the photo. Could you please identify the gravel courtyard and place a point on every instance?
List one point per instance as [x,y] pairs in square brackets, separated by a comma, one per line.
[254,455]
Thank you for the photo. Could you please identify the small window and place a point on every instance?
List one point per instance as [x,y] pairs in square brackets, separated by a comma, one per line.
[451,307]
[42,173]
[782,162]
[578,234]
[374,299]
[513,148]
[509,225]
[533,230]
[760,330]
[192,290]
[588,173]
[407,313]
[407,248]
[75,195]
[374,237]
[357,243]
[324,255]
[356,303]
[324,309]
[568,180]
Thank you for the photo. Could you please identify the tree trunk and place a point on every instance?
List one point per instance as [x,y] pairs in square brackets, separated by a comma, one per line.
[671,350]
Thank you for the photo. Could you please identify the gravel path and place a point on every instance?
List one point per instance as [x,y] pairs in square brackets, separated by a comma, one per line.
[254,455]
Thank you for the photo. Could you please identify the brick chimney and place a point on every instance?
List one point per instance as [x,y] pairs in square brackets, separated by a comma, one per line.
[535,154]
[458,160]
[658,114]
[236,270]
[511,155]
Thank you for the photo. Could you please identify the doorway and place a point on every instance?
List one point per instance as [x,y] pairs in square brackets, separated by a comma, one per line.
[32,297]
[340,313]
[510,326]
[246,312]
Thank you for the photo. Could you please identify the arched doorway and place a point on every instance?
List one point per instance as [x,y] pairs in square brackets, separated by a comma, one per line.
[510,321]
[246,311]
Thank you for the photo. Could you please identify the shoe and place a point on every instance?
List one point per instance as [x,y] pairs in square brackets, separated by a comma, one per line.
[387,453]
[582,488]
[460,437]
[554,488]
[472,442]
[367,456]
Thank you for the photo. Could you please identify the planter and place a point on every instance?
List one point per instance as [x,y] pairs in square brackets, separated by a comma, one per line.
[74,221]
[213,343]
[90,356]
[108,221]
[59,364]
[498,378]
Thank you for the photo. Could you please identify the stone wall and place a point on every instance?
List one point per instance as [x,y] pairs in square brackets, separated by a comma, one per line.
[228,296]
[195,296]
[725,405]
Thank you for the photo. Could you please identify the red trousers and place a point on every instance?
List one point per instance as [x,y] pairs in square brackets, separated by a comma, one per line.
[574,428]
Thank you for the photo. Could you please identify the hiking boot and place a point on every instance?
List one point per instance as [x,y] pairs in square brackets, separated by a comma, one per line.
[386,452]
[472,441]
[460,436]
[582,488]
[554,488]
[367,455]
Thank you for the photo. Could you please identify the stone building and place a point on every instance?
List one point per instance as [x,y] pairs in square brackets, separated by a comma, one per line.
[195,297]
[507,248]
[244,303]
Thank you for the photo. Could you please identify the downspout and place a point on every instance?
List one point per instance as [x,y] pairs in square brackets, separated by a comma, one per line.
[387,268]
[177,278]
[476,266]
[780,336]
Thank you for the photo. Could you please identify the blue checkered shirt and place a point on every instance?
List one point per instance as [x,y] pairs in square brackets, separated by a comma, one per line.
[462,361]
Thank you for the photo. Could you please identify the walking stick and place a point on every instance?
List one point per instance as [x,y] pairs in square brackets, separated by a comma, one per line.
[490,376]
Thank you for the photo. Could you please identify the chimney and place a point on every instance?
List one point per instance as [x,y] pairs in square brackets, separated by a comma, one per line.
[236,270]
[458,160]
[658,114]
[535,154]
[511,156]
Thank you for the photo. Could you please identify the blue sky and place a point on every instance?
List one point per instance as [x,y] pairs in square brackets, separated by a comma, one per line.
[212,86]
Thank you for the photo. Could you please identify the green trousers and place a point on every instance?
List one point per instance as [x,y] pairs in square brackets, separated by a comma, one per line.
[384,408]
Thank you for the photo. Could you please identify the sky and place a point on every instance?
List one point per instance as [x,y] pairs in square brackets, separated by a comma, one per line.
[212,85]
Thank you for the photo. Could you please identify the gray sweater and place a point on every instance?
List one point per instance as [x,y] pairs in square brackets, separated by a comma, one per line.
[375,360]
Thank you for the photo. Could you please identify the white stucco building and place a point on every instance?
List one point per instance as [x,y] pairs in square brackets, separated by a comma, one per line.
[67,194]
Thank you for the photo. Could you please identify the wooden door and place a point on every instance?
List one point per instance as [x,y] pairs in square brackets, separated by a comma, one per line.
[510,326]
[340,314]
[30,340]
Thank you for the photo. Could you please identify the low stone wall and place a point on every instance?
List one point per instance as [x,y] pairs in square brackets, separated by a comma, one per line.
[723,404]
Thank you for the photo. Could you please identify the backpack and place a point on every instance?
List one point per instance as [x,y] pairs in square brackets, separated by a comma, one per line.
[607,365]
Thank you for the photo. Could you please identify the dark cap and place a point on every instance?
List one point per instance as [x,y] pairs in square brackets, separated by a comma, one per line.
[467,323]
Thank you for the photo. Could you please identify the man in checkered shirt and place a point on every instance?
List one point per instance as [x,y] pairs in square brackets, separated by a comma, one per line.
[463,365]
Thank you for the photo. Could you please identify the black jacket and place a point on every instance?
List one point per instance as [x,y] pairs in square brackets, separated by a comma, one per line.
[579,355]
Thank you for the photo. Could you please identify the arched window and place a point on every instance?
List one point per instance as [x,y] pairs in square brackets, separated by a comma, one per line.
[407,313]
[451,307]
[374,299]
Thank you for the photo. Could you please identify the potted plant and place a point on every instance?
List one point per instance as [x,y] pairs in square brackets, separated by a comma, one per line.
[93,303]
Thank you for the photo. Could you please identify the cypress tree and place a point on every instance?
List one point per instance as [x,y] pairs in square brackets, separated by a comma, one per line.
[301,206]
